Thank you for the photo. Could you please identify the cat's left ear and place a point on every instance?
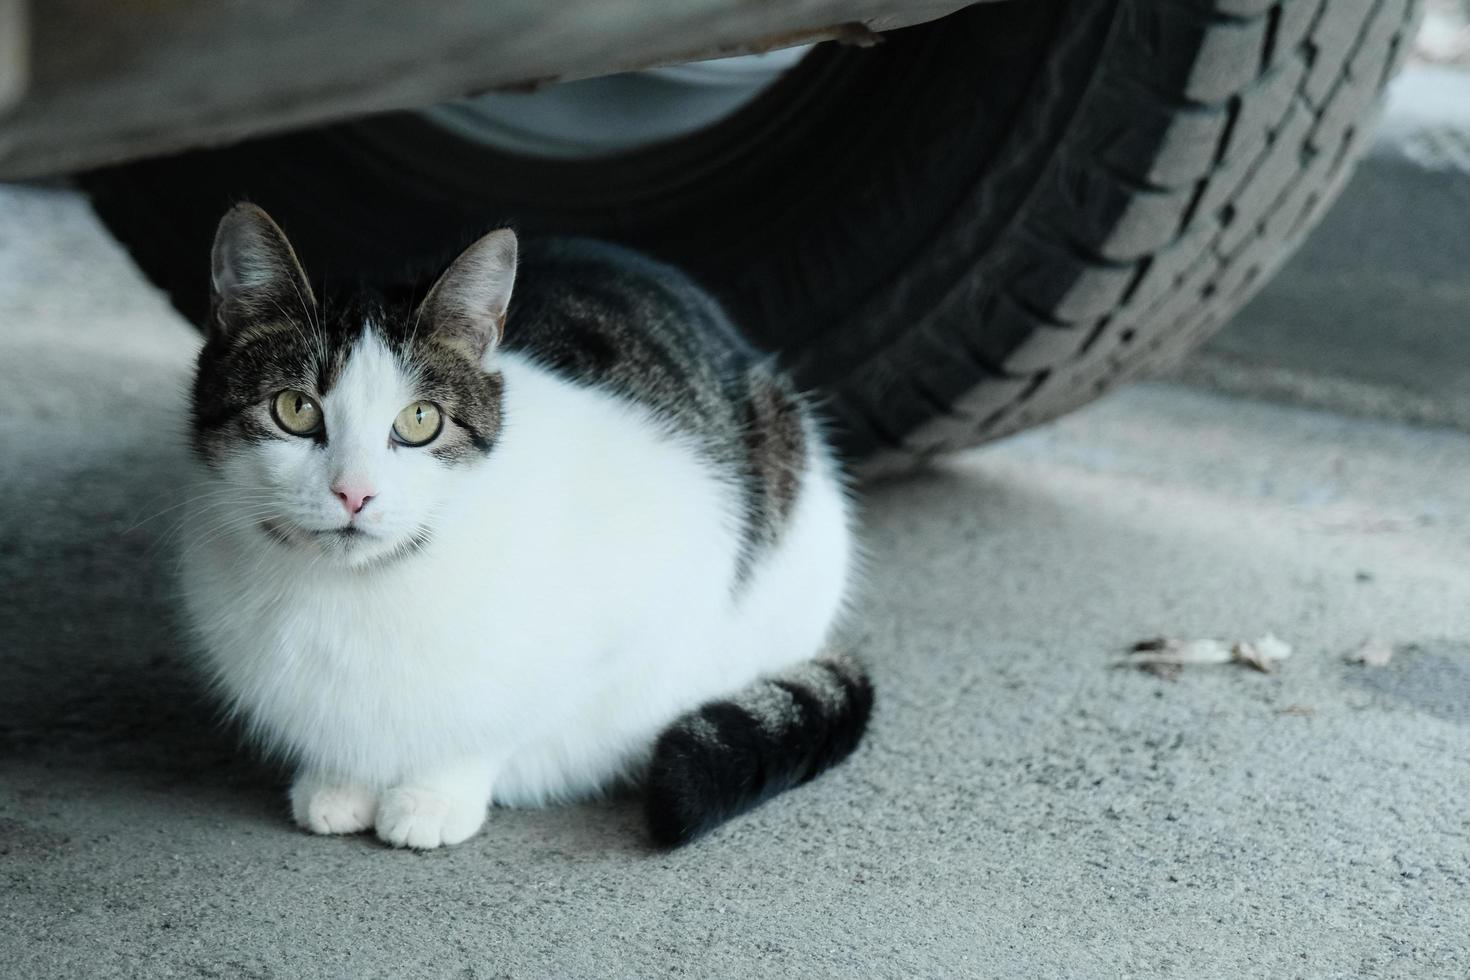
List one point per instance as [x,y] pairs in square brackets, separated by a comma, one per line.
[466,308]
[253,271]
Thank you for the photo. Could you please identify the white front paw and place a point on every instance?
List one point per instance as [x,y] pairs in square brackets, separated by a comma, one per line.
[422,818]
[332,808]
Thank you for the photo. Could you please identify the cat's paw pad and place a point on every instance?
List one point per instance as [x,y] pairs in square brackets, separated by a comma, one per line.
[424,819]
[324,809]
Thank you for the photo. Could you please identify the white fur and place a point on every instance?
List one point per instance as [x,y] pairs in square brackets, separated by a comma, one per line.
[576,597]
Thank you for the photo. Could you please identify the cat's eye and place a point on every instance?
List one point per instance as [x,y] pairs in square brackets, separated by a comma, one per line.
[418,424]
[295,412]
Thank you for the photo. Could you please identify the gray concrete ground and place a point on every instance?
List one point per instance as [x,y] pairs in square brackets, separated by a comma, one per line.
[1020,809]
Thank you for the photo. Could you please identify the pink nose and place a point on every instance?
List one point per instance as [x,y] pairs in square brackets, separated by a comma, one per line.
[354,498]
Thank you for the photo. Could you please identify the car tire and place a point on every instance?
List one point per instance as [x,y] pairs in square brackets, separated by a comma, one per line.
[962,231]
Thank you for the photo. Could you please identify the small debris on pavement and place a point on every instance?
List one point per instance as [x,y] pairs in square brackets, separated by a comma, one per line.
[1299,710]
[1162,650]
[1262,654]
[1372,652]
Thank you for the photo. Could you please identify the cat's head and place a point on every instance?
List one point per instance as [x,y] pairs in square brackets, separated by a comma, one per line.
[341,430]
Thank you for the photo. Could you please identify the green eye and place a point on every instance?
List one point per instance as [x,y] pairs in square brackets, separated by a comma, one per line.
[295,412]
[418,424]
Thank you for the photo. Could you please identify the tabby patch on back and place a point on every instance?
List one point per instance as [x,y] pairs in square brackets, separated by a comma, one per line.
[553,527]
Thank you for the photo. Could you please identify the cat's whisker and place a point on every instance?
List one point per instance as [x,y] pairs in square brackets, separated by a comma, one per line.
[193,517]
[224,495]
[205,541]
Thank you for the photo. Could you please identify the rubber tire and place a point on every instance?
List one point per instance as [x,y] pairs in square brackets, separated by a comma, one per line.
[968,229]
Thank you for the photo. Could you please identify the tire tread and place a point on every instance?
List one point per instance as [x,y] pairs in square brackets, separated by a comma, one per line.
[1153,220]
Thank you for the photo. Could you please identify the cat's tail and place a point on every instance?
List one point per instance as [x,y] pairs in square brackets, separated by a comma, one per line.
[734,754]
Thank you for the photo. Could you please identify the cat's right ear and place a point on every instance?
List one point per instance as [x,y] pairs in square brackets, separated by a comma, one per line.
[254,271]
[466,308]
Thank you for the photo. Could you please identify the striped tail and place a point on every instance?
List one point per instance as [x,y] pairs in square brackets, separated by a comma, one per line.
[729,756]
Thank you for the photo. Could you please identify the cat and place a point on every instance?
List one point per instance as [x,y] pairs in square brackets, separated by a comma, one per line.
[483,550]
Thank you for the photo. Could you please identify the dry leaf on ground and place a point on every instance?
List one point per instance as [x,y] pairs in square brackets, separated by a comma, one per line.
[1161,650]
[1262,654]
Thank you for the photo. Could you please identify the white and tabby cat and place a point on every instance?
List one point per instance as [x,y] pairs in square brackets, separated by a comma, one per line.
[489,551]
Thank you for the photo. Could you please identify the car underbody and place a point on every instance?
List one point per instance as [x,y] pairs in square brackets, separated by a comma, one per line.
[85,83]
